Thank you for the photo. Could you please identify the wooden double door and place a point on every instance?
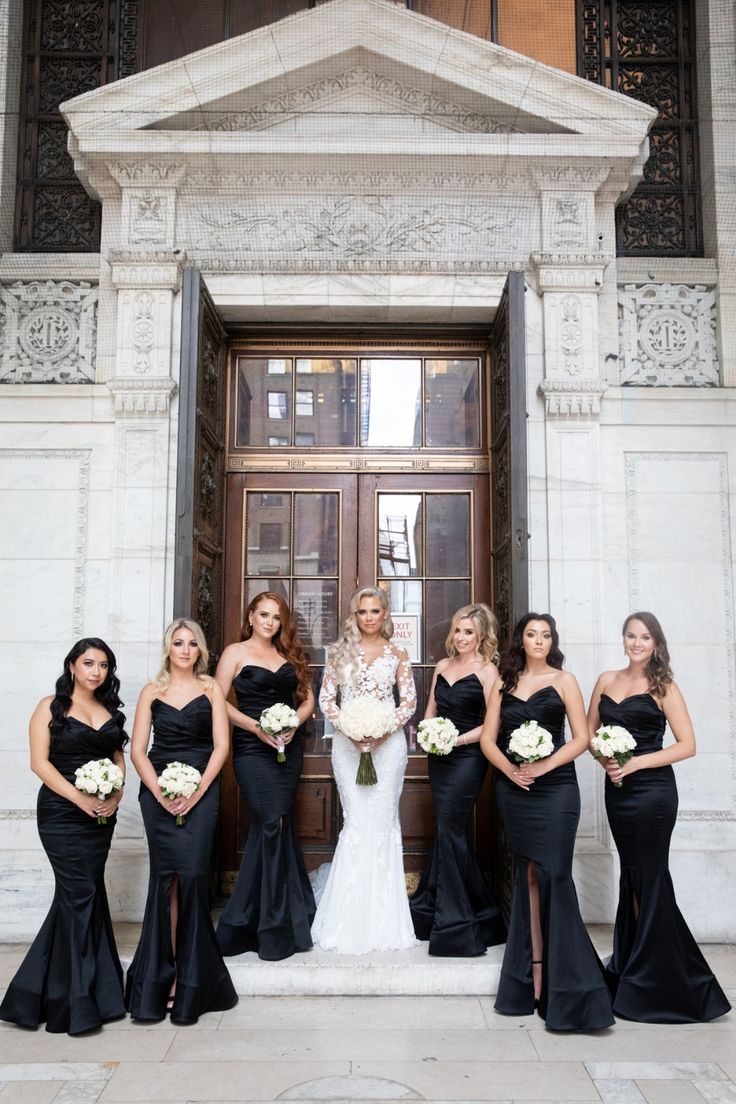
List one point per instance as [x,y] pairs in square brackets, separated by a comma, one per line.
[314,538]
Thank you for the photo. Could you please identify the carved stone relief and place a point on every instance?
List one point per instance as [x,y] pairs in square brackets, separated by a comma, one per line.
[49,331]
[148,216]
[668,335]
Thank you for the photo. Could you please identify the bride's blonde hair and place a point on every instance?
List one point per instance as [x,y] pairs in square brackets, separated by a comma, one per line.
[344,653]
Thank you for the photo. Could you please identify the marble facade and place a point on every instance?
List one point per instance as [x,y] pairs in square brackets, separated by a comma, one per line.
[359,163]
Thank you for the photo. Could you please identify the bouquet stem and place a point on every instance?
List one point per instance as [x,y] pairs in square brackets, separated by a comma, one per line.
[281,757]
[621,757]
[366,775]
[180,819]
[102,820]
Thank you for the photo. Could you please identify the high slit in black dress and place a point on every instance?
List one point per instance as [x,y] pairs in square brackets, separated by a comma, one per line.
[71,978]
[453,907]
[272,906]
[203,983]
[657,973]
[541,824]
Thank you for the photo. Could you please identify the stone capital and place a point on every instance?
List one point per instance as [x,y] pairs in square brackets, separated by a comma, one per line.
[135,398]
[158,274]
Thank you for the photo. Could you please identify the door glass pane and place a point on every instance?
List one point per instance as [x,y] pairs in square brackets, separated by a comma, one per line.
[448,524]
[443,597]
[264,398]
[325,401]
[268,530]
[405,600]
[316,537]
[391,403]
[399,534]
[452,407]
[315,615]
[257,586]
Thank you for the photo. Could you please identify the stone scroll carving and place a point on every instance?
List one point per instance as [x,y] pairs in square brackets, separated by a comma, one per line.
[48,332]
[667,334]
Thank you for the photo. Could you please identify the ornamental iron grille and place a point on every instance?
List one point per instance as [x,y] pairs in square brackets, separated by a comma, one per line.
[70,47]
[646,50]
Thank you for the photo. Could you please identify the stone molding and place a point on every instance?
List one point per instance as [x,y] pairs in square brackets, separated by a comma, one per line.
[576,397]
[160,271]
[48,331]
[667,335]
[410,101]
[146,173]
[136,397]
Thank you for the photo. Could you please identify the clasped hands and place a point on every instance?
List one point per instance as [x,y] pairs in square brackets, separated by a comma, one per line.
[96,806]
[524,774]
[276,742]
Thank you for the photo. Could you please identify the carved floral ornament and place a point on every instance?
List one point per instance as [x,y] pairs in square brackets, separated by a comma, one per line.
[667,335]
[48,331]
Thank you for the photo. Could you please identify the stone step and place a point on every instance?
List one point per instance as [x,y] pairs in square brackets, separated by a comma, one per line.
[386,973]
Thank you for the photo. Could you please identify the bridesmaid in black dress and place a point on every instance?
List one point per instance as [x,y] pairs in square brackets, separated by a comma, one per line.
[272,906]
[177,966]
[71,978]
[549,960]
[657,973]
[453,907]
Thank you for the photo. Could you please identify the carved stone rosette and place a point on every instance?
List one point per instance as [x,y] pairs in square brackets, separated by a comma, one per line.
[48,331]
[668,335]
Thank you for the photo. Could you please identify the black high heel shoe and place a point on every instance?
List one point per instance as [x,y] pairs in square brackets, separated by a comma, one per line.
[536,962]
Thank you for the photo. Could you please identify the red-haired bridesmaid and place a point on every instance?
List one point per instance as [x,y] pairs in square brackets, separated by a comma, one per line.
[272,906]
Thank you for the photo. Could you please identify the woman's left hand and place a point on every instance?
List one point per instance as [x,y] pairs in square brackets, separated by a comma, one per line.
[285,738]
[108,805]
[180,806]
[530,771]
[617,773]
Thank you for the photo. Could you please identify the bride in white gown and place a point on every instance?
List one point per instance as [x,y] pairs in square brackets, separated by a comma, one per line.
[363,906]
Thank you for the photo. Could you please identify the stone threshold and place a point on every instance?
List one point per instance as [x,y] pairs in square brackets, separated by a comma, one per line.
[319,973]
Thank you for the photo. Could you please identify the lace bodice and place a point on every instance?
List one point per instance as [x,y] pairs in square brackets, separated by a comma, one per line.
[376,679]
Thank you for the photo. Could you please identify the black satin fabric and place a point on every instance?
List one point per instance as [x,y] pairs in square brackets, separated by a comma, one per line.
[71,978]
[657,973]
[453,907]
[541,824]
[272,906]
[203,983]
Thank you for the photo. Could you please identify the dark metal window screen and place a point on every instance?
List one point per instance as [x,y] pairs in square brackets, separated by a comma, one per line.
[646,50]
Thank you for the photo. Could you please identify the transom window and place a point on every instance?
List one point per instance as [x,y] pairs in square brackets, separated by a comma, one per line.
[373,402]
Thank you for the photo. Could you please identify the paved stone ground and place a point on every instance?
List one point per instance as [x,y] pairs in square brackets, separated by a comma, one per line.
[372,1048]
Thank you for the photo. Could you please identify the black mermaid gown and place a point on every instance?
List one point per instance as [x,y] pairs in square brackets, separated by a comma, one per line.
[71,978]
[453,907]
[657,973]
[203,983]
[541,825]
[272,906]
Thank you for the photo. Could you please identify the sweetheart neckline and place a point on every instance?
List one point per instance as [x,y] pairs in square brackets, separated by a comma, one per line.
[178,709]
[629,697]
[260,667]
[541,689]
[71,717]
[461,679]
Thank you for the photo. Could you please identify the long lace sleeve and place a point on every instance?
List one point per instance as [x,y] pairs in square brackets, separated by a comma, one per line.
[407,691]
[328,695]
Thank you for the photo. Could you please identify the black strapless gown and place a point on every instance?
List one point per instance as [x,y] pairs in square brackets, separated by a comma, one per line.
[541,825]
[71,978]
[657,973]
[203,983]
[453,907]
[272,906]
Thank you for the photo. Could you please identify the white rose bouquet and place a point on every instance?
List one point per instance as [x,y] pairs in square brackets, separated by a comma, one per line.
[277,719]
[613,742]
[530,742]
[100,778]
[179,780]
[437,736]
[365,718]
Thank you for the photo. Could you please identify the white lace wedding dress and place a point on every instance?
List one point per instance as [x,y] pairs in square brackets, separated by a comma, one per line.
[363,906]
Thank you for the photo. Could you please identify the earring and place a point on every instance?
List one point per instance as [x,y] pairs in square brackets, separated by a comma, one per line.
[72,674]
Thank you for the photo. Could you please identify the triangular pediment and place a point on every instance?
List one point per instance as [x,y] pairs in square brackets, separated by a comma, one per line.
[370,60]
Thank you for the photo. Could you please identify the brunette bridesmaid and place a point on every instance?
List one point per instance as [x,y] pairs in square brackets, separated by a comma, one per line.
[549,962]
[453,907]
[272,906]
[71,978]
[657,973]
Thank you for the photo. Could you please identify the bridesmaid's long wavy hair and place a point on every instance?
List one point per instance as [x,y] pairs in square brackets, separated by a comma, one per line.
[486,628]
[344,653]
[107,694]
[515,661]
[286,641]
[162,680]
[657,670]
